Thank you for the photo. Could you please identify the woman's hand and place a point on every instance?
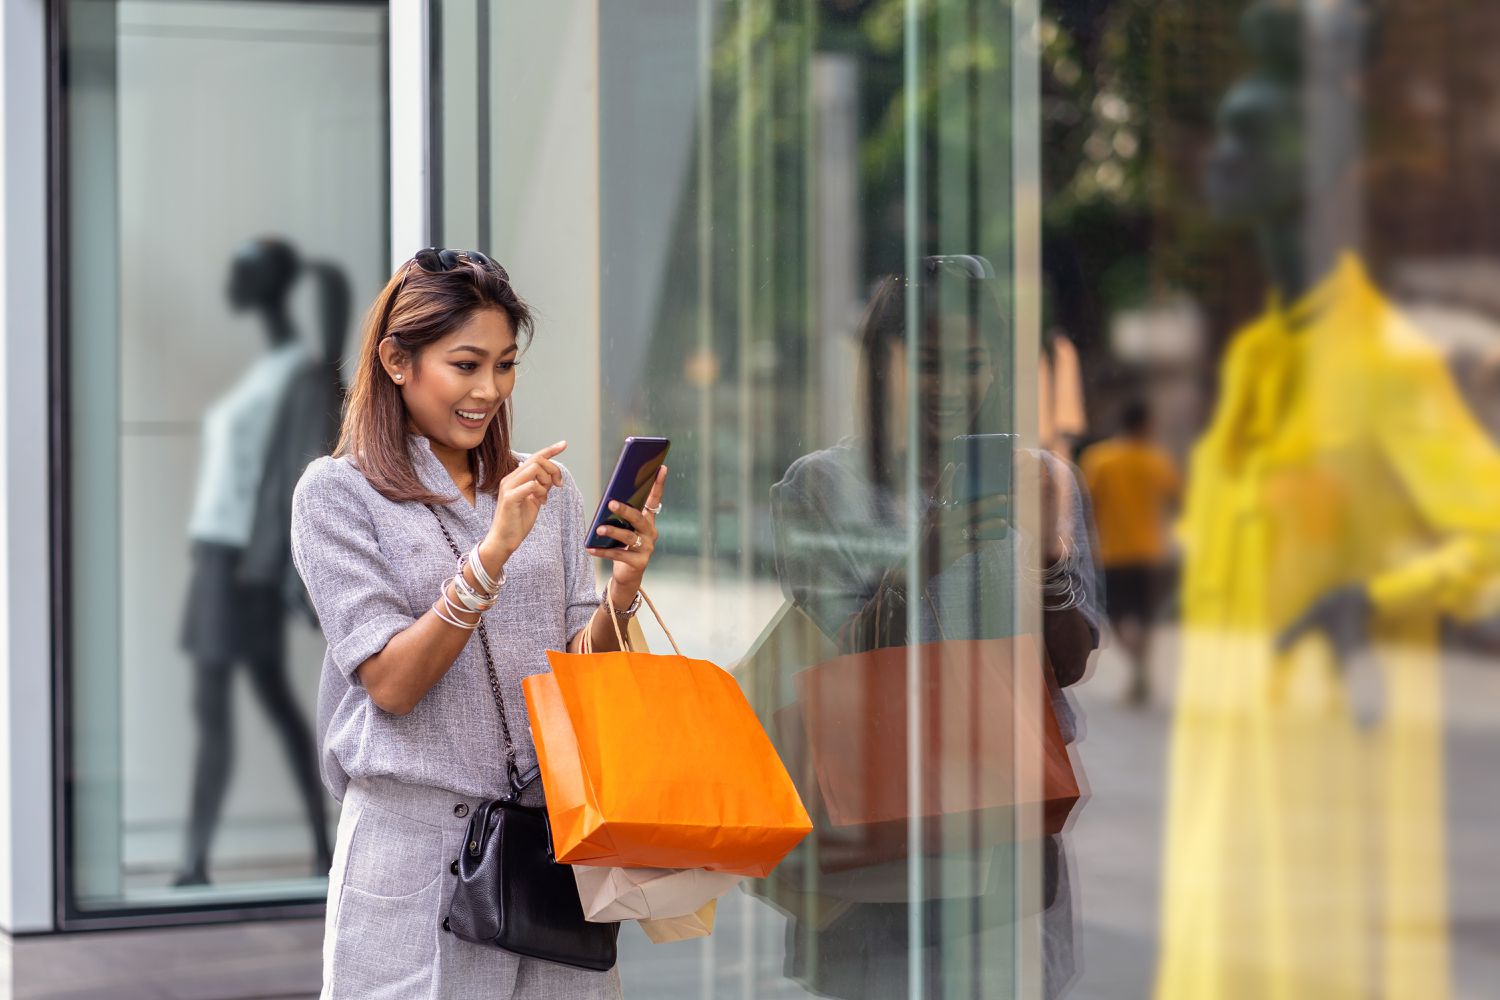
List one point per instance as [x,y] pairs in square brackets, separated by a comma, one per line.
[955,529]
[639,541]
[520,499]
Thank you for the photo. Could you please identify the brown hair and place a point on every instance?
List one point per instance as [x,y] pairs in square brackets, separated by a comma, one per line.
[416,308]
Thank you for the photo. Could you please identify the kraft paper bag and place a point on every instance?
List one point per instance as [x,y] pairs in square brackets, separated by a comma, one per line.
[610,894]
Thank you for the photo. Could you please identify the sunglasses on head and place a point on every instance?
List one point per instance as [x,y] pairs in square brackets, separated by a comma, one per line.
[435,260]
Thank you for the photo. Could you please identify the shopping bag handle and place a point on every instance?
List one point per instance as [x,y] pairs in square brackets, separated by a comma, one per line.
[615,620]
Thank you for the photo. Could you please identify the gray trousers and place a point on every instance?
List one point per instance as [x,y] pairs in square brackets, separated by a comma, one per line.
[388,892]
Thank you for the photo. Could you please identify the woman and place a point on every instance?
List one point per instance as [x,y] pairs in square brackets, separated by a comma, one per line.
[842,519]
[410,732]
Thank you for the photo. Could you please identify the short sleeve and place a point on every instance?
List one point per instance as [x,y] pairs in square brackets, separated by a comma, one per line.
[818,562]
[353,587]
[578,565]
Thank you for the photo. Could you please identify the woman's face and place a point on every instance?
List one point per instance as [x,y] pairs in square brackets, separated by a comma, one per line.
[456,391]
[955,374]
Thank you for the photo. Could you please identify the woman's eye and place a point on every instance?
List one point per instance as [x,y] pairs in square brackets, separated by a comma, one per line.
[467,366]
[506,366]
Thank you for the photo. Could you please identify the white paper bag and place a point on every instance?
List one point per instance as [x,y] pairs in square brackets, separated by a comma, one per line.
[647,893]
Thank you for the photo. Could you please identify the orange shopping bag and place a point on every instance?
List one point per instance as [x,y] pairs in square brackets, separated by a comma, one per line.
[855,718]
[658,762]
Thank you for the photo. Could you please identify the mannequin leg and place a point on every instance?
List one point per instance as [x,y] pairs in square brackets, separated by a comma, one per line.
[269,676]
[211,709]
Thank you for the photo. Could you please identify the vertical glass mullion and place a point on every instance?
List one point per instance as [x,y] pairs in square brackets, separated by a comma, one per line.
[1016,214]
[90,87]
[704,163]
[912,69]
[745,145]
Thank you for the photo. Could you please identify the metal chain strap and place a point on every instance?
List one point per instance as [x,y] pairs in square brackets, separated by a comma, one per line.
[489,663]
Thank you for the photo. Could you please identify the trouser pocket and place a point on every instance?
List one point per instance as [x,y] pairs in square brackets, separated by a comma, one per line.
[383,919]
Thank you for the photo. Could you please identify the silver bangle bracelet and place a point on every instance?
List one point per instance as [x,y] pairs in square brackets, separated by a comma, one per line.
[489,585]
[443,610]
[470,598]
[457,607]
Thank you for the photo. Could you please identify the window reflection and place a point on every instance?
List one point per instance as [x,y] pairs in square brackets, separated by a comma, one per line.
[845,562]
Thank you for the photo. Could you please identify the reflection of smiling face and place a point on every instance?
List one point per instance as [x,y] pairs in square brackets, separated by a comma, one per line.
[955,373]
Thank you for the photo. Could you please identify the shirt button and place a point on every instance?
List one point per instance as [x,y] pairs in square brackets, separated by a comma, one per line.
[460,810]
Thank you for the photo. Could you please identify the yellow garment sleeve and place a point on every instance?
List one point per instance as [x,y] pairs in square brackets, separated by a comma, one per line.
[1451,470]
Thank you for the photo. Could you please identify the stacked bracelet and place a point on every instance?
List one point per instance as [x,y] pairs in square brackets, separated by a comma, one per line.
[472,560]
[1060,587]
[467,599]
[445,610]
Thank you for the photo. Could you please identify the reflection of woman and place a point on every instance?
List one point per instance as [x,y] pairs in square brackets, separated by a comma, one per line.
[841,516]
[412,737]
[273,419]
[1343,494]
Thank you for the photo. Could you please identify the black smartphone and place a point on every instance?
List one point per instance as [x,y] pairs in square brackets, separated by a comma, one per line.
[631,484]
[985,466]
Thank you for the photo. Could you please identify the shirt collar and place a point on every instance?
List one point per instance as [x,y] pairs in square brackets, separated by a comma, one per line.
[434,476]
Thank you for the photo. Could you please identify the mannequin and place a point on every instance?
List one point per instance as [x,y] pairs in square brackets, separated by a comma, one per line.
[1342,502]
[257,439]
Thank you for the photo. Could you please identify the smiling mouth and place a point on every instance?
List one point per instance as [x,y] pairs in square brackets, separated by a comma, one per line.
[473,414]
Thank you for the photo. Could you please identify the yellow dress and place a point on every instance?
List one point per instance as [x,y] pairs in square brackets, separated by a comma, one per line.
[1304,854]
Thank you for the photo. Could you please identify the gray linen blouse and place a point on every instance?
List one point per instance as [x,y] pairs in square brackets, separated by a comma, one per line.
[373,567]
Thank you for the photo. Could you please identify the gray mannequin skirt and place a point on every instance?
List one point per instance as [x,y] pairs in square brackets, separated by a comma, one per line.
[224,620]
[388,893]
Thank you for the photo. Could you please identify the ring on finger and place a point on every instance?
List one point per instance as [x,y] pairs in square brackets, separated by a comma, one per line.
[635,545]
[653,511]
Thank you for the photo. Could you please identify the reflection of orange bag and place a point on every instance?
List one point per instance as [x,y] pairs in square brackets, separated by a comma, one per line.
[659,762]
[854,717]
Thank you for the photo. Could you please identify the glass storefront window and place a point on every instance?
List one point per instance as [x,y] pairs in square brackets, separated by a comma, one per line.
[881,270]
[783,236]
[225,200]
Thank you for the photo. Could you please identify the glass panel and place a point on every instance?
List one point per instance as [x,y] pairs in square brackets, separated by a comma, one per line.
[226,200]
[1270,236]
[786,241]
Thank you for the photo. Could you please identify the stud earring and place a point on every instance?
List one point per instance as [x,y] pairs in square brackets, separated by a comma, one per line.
[398,376]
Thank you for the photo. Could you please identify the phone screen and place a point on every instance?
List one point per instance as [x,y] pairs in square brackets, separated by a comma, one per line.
[630,484]
[985,466]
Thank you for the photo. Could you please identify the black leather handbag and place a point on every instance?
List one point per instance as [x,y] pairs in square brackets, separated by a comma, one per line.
[511,892]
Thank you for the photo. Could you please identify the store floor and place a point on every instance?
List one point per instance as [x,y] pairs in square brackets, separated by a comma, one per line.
[279,960]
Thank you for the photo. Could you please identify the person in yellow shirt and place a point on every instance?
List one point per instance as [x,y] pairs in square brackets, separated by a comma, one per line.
[1135,485]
